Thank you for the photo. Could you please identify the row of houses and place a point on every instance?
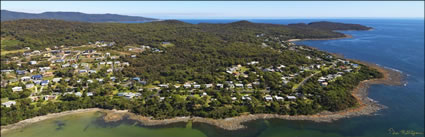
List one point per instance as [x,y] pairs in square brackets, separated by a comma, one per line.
[279,98]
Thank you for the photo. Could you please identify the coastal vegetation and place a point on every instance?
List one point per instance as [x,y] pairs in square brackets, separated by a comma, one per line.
[170,68]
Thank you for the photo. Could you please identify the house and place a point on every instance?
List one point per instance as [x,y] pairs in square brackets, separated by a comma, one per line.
[220,85]
[102,63]
[278,98]
[89,94]
[197,86]
[99,79]
[74,66]
[15,89]
[32,70]
[6,70]
[47,74]
[291,97]
[92,71]
[143,82]
[84,64]
[268,98]
[20,72]
[37,81]
[239,85]
[44,82]
[33,62]
[8,103]
[163,85]
[112,78]
[82,71]
[252,63]
[126,64]
[136,79]
[59,61]
[165,42]
[44,68]
[28,86]
[187,86]
[324,84]
[249,85]
[208,85]
[246,97]
[49,97]
[89,81]
[56,79]
[27,53]
[133,56]
[65,65]
[26,78]
[109,63]
[78,94]
[308,57]
[204,94]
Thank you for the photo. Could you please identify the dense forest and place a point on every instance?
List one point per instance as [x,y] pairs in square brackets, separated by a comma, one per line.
[39,33]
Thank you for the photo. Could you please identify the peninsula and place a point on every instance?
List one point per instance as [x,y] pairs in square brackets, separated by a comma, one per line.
[171,71]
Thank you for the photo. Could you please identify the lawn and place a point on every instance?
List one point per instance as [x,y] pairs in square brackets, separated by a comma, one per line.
[4,52]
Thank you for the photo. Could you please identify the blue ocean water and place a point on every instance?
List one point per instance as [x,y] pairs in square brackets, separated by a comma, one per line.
[393,43]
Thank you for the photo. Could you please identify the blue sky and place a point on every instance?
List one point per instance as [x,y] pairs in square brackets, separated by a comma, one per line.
[231,10]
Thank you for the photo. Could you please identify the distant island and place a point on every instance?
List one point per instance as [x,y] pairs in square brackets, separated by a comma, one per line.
[170,71]
[7,15]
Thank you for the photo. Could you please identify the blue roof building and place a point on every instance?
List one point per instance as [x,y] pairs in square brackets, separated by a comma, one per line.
[37,77]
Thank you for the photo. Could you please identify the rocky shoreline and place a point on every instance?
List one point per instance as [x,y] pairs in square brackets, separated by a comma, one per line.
[345,36]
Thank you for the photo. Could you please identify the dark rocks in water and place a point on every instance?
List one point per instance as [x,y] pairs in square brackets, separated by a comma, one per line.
[60,124]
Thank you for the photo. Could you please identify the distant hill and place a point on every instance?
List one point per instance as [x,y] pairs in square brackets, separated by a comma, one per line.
[71,16]
[331,26]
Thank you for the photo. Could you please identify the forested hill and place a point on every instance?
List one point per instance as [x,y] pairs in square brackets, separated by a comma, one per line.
[70,16]
[331,26]
[40,33]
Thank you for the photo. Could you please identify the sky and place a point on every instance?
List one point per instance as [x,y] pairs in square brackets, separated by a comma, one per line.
[230,9]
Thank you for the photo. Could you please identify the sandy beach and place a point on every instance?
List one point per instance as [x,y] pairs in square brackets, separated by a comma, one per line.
[26,122]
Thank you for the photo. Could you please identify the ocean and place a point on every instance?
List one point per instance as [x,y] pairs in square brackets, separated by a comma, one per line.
[394,43]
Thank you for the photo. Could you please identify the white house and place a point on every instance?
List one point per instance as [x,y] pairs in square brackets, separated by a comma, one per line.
[268,98]
[8,103]
[56,79]
[197,86]
[187,86]
[14,89]
[291,97]
[26,78]
[239,85]
[28,86]
[278,98]
[33,62]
